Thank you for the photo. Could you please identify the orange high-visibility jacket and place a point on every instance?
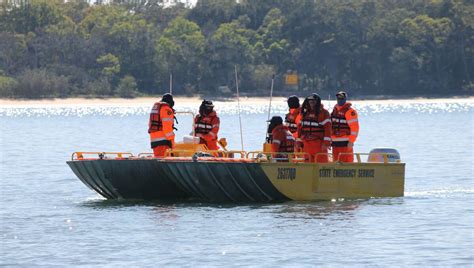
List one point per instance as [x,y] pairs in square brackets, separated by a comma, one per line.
[315,127]
[290,120]
[345,124]
[282,140]
[207,126]
[160,125]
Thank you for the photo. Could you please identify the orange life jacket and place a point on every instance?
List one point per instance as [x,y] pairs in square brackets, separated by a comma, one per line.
[290,120]
[205,123]
[154,123]
[311,125]
[314,126]
[340,127]
[160,126]
[282,141]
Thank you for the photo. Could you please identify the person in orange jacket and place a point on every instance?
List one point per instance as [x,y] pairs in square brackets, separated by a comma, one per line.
[290,118]
[206,125]
[282,141]
[345,129]
[160,125]
[314,129]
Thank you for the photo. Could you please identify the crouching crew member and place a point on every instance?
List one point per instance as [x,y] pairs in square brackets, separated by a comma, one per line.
[345,128]
[206,125]
[282,140]
[160,125]
[314,129]
[290,118]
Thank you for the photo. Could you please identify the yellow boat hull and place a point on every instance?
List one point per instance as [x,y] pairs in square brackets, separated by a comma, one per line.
[305,181]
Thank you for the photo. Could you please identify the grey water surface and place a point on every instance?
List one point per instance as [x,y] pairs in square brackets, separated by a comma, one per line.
[48,218]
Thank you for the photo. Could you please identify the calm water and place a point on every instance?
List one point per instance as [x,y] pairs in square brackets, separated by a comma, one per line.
[49,218]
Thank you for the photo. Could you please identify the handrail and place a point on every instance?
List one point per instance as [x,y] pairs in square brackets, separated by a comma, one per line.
[291,157]
[100,155]
[169,152]
[140,155]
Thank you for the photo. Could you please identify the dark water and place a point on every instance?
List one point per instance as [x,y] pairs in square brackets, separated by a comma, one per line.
[49,218]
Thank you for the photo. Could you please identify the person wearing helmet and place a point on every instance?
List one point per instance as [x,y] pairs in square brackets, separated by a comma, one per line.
[160,125]
[345,129]
[290,118]
[282,141]
[206,125]
[314,129]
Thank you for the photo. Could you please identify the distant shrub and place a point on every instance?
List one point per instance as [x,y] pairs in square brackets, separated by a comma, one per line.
[7,84]
[127,87]
[99,88]
[262,77]
[77,77]
[189,90]
[39,83]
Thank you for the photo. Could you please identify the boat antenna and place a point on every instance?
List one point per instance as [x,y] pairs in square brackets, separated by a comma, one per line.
[329,101]
[171,83]
[269,108]
[271,95]
[238,107]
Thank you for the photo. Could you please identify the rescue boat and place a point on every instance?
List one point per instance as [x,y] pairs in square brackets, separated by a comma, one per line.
[190,171]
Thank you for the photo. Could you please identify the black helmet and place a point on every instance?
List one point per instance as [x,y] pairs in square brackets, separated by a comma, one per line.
[316,97]
[206,107]
[293,102]
[207,104]
[276,120]
[305,105]
[168,98]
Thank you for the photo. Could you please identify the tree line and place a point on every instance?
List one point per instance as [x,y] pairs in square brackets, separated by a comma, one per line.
[58,48]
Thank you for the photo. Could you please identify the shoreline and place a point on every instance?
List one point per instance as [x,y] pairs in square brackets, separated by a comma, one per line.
[197,100]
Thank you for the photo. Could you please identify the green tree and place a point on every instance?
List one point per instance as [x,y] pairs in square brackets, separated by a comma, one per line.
[232,44]
[428,38]
[179,51]
[127,88]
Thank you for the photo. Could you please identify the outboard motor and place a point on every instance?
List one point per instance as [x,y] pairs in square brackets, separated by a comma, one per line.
[377,155]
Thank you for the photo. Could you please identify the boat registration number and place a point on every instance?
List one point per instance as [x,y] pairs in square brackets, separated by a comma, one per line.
[286,174]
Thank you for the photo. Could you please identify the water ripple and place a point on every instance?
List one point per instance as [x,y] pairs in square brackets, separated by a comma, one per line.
[225,108]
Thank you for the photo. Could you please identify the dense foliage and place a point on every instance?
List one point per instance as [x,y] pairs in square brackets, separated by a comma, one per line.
[63,48]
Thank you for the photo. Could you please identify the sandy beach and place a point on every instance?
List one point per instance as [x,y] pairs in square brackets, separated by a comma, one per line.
[196,100]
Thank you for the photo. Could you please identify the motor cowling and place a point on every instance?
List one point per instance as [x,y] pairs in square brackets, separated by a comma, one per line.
[377,155]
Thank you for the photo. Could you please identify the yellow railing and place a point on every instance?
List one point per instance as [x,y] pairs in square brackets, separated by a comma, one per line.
[143,155]
[216,153]
[100,155]
[258,156]
[290,157]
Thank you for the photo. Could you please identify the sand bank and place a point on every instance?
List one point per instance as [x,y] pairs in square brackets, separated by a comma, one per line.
[196,100]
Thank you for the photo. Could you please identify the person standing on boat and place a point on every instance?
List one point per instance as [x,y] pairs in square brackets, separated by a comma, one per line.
[282,140]
[314,129]
[345,129]
[206,125]
[290,118]
[161,125]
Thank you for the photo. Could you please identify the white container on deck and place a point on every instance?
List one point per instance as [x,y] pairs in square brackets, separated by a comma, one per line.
[187,139]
